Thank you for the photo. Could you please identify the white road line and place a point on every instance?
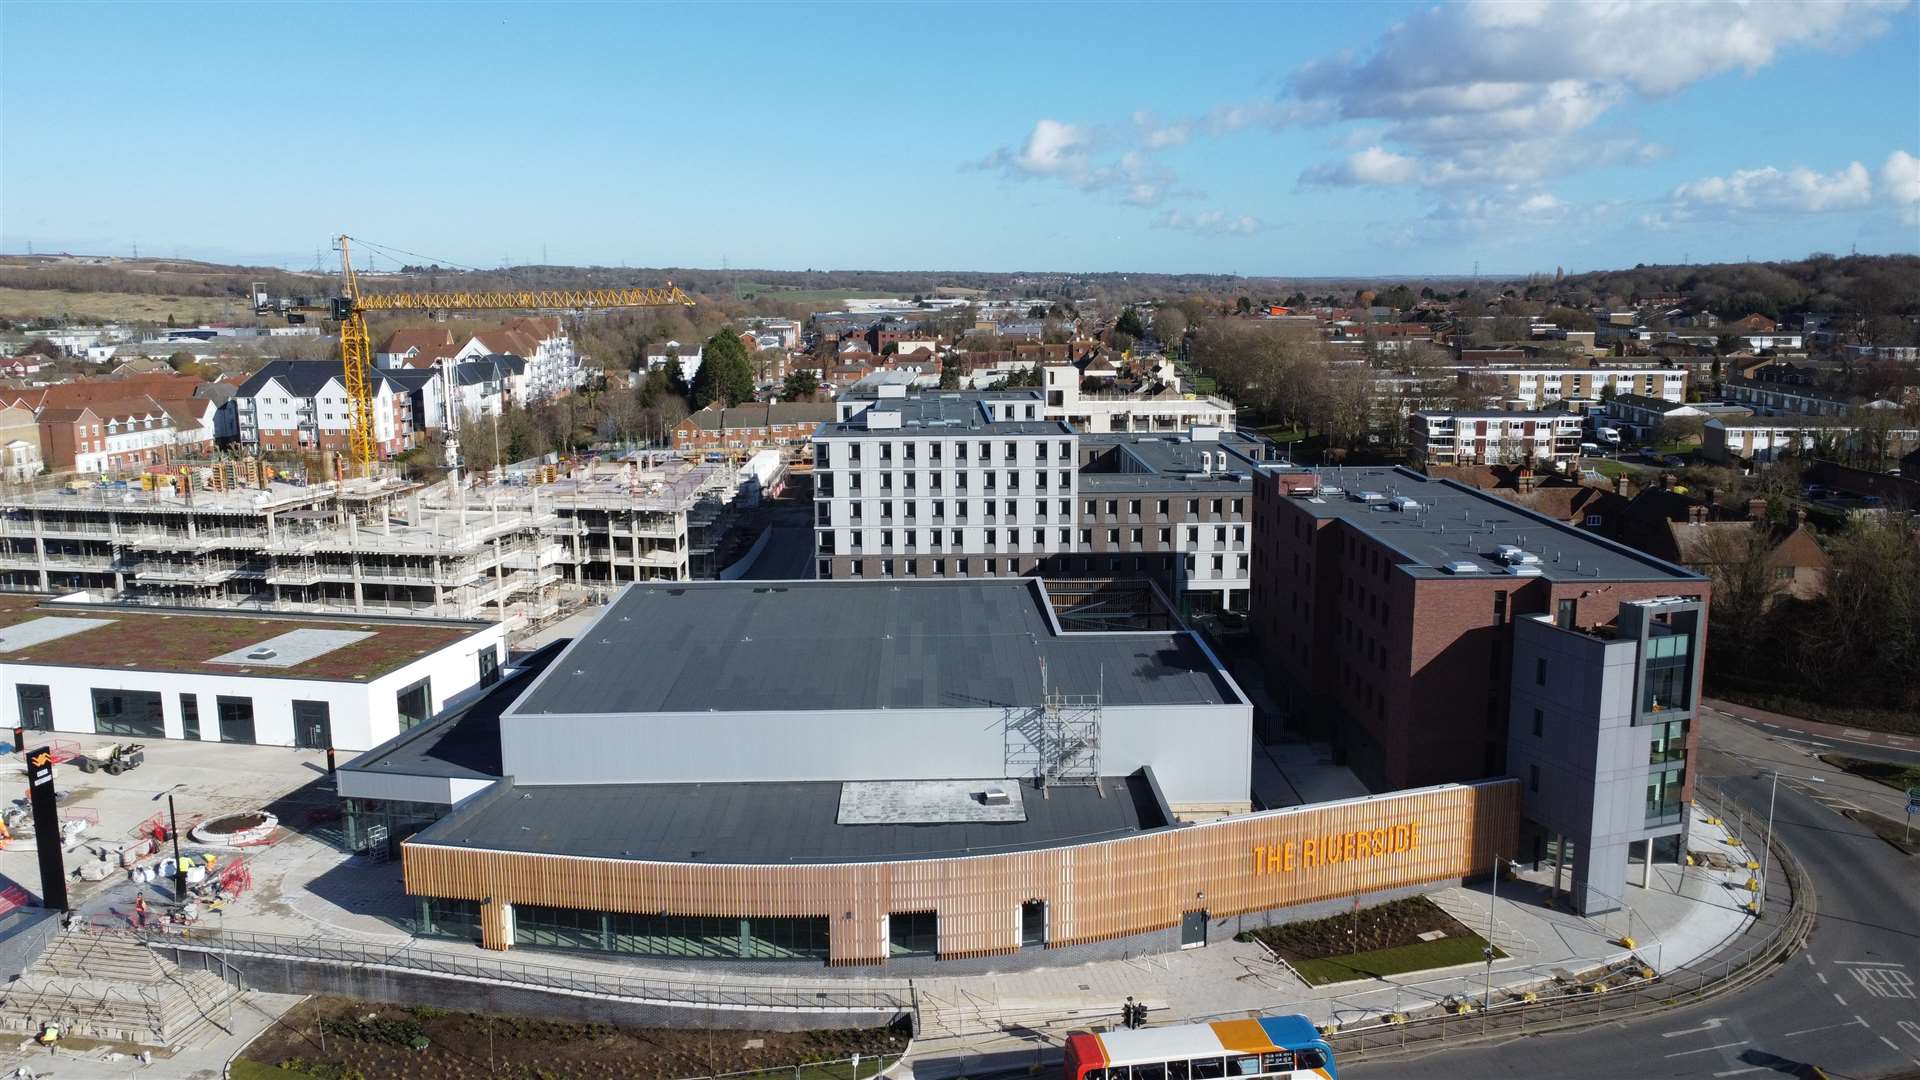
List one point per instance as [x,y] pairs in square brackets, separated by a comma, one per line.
[1852,734]
[1868,963]
[1737,1072]
[1708,1026]
[1704,1049]
[1775,727]
[1838,998]
[1912,1029]
[1890,1043]
[1822,976]
[1856,1021]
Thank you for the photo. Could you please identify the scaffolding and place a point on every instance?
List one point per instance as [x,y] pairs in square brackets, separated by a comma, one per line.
[1057,744]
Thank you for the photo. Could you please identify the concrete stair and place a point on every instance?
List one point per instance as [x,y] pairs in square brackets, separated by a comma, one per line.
[105,986]
[958,1013]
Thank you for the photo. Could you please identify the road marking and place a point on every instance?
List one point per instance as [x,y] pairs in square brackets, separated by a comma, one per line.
[1838,998]
[1708,1026]
[1885,982]
[1898,738]
[1822,976]
[1704,1049]
[1890,1043]
[1737,1072]
[1775,727]
[1870,963]
[1852,734]
[1912,1029]
[1856,1021]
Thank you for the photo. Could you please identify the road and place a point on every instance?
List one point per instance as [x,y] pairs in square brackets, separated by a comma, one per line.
[1848,1004]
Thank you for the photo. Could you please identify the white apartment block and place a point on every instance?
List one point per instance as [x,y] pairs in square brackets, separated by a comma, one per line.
[1765,438]
[1537,388]
[1494,438]
[946,485]
[1112,411]
[302,405]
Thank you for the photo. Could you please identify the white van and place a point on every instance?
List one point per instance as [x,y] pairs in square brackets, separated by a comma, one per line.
[1607,435]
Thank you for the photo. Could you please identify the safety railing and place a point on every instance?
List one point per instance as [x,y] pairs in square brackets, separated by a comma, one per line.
[1787,914]
[854,1068]
[849,996]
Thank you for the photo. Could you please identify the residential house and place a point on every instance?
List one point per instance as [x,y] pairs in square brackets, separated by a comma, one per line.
[417,347]
[552,362]
[751,426]
[660,354]
[1764,438]
[1641,417]
[1595,507]
[19,444]
[302,405]
[1693,531]
[107,436]
[1531,387]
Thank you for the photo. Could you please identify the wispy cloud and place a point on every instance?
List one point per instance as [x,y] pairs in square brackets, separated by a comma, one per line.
[1212,223]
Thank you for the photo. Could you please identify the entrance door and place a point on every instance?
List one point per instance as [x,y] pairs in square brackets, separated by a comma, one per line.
[1033,924]
[312,725]
[1193,929]
[36,707]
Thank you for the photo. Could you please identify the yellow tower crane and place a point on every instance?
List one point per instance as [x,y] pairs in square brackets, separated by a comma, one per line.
[356,344]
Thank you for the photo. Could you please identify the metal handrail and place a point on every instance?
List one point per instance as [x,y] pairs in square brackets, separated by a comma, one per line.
[836,996]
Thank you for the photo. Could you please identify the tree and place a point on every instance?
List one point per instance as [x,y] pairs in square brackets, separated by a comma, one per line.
[180,359]
[726,372]
[950,373]
[1129,324]
[1038,311]
[42,347]
[800,385]
[1122,342]
[1243,305]
[1679,429]
[1170,326]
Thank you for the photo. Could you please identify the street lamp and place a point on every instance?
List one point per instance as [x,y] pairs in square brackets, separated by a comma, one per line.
[1493,898]
[1766,854]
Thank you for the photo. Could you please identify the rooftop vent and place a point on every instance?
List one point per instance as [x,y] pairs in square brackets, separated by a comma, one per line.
[1404,504]
[1463,566]
[1367,497]
[995,797]
[261,653]
[1523,570]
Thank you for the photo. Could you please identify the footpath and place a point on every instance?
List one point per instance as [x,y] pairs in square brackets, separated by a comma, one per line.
[985,1024]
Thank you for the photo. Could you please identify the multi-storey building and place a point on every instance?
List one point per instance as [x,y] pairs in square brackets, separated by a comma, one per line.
[752,426]
[302,405]
[1765,438]
[1170,507]
[1098,412]
[1494,438]
[1528,387]
[110,436]
[1598,733]
[937,486]
[1385,603]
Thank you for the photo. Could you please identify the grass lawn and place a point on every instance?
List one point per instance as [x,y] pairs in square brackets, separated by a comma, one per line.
[1421,956]
[1899,777]
[131,307]
[1608,467]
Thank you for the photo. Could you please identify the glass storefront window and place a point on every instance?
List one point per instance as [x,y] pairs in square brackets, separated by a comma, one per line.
[402,819]
[449,918]
[686,936]
[1663,797]
[1669,744]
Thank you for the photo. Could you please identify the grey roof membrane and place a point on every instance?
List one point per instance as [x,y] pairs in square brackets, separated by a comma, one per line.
[1455,522]
[42,630]
[770,822]
[800,646]
[1171,463]
[946,415]
[462,743]
[291,649]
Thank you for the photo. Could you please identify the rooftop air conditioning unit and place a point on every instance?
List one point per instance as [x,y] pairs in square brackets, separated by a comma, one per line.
[995,797]
[1462,566]
[1404,504]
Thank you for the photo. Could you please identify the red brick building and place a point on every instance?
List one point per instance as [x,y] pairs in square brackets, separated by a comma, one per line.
[752,426]
[1384,607]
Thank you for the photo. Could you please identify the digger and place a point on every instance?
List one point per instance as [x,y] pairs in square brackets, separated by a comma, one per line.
[115,759]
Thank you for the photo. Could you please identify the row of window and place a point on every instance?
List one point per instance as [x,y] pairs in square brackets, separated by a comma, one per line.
[1217,1067]
[990,481]
[141,714]
[886,450]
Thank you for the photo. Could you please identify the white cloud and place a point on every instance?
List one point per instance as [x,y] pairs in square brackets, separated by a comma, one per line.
[1798,189]
[1463,87]
[1374,165]
[1212,223]
[1053,148]
[1900,179]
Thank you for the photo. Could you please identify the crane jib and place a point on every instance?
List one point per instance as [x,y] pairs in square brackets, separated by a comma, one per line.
[547,298]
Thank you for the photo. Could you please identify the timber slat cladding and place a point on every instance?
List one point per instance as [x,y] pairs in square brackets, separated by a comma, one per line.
[1092,891]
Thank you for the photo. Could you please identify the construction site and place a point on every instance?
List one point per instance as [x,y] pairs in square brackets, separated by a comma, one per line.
[543,539]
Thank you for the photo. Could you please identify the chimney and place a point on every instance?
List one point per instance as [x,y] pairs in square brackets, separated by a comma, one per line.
[1525,480]
[1799,516]
[1756,509]
[1620,484]
[1696,514]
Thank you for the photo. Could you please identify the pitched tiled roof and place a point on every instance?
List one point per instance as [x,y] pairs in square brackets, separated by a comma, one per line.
[774,414]
[419,337]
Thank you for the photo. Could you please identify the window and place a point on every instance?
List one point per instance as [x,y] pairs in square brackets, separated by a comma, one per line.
[1208,1068]
[189,716]
[128,712]
[1593,521]
[1539,723]
[36,706]
[489,666]
[236,718]
[1499,606]
[1540,671]
[415,704]
[1533,778]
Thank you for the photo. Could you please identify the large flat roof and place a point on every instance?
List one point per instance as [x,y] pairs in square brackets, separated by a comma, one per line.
[1172,462]
[798,646]
[1454,522]
[950,414]
[128,638]
[762,823]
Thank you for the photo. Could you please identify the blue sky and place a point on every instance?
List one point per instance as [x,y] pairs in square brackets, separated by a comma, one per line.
[1316,139]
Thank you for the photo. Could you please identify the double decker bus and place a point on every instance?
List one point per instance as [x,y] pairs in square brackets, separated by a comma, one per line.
[1280,1047]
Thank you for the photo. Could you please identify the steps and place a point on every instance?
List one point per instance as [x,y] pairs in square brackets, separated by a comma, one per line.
[105,986]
